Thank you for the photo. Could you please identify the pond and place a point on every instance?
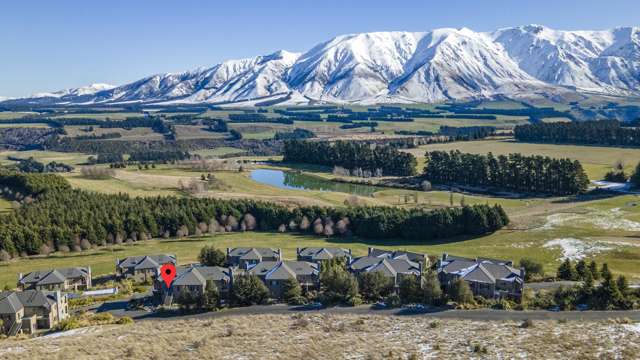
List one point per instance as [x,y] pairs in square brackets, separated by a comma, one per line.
[298,181]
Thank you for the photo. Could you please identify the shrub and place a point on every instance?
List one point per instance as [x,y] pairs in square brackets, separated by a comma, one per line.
[210,256]
[410,291]
[292,292]
[460,292]
[249,290]
[531,268]
[374,285]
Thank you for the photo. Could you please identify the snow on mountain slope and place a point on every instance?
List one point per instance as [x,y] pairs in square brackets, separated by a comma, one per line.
[600,61]
[401,67]
[85,90]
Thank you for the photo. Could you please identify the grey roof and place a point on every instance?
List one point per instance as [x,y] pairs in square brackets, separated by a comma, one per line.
[147,263]
[55,276]
[281,270]
[325,253]
[263,252]
[133,261]
[199,275]
[480,271]
[391,266]
[449,258]
[412,256]
[9,303]
[36,298]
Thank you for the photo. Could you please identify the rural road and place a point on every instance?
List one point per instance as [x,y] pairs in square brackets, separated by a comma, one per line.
[118,309]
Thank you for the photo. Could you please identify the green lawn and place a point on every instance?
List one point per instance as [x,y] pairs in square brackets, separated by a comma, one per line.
[44,156]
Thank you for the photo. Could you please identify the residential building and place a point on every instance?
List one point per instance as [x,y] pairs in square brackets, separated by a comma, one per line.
[392,267]
[247,257]
[395,254]
[194,279]
[11,313]
[48,307]
[489,278]
[142,268]
[68,279]
[275,273]
[317,255]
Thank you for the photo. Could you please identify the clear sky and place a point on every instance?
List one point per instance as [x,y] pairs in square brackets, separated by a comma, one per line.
[50,45]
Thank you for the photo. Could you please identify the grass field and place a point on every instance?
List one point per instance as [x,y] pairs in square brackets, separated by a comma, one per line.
[44,156]
[595,160]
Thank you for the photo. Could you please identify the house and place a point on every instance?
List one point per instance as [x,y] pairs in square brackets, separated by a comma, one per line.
[246,257]
[318,255]
[489,278]
[275,273]
[411,256]
[48,308]
[194,279]
[11,313]
[142,268]
[68,279]
[392,267]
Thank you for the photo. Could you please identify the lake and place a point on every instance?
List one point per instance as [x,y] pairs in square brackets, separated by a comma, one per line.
[299,181]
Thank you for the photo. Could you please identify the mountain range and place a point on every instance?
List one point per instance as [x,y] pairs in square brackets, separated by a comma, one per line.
[398,67]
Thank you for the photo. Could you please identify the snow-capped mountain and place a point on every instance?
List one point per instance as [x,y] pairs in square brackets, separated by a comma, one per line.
[384,67]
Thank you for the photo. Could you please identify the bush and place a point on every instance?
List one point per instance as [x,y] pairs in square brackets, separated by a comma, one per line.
[460,292]
[393,300]
[410,291]
[292,292]
[125,320]
[337,285]
[210,256]
[374,286]
[68,324]
[249,290]
[531,268]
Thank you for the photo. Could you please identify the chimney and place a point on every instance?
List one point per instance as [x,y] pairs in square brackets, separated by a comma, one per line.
[19,276]
[228,251]
[445,256]
[297,252]
[522,272]
[369,251]
[279,254]
[89,279]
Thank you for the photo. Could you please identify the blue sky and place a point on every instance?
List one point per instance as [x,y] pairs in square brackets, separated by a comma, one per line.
[50,45]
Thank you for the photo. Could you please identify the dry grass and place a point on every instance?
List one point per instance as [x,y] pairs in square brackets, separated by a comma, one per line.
[333,337]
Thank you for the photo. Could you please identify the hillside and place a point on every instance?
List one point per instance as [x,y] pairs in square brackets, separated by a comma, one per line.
[334,337]
[398,67]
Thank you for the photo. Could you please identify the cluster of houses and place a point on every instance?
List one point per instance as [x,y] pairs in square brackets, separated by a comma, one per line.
[40,302]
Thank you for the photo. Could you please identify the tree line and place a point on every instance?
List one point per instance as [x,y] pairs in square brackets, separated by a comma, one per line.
[527,174]
[605,132]
[61,217]
[351,155]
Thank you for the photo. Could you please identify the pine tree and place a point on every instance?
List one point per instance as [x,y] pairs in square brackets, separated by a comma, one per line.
[566,271]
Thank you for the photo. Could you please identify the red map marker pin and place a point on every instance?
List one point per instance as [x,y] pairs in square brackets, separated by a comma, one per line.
[168,272]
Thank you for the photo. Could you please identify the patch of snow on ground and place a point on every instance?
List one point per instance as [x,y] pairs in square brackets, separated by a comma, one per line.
[606,220]
[73,332]
[17,349]
[633,327]
[574,249]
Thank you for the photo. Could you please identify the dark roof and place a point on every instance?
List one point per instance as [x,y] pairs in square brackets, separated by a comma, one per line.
[412,256]
[325,253]
[9,303]
[281,270]
[391,266]
[36,298]
[55,276]
[199,275]
[262,252]
[134,261]
[480,271]
[147,263]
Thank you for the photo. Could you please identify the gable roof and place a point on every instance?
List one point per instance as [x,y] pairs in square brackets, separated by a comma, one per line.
[480,271]
[55,276]
[281,270]
[391,266]
[262,252]
[411,256]
[133,261]
[147,263]
[195,275]
[325,253]
[36,298]
[9,303]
